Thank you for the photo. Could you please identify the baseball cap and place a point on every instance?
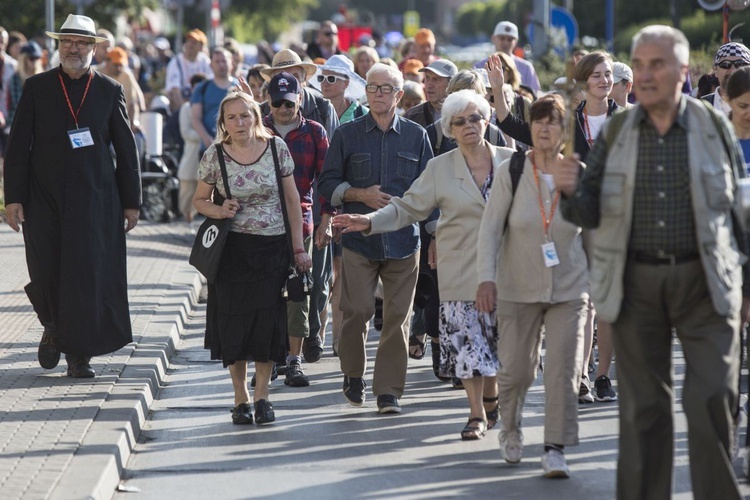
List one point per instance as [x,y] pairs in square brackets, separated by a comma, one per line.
[621,71]
[412,66]
[283,87]
[506,28]
[442,67]
[198,36]
[118,56]
[32,50]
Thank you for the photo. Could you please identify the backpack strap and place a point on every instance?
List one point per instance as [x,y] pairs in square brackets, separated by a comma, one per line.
[438,139]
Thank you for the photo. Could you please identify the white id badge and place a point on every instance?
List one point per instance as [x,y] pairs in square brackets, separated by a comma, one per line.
[80,138]
[550,254]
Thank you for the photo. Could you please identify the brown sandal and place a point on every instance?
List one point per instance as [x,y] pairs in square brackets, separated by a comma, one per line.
[470,432]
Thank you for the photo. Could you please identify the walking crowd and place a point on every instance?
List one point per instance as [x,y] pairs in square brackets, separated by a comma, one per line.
[435,202]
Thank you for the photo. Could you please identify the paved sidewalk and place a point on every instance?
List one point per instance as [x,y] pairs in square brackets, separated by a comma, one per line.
[65,438]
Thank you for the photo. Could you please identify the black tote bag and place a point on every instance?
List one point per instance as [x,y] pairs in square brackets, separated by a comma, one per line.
[211,237]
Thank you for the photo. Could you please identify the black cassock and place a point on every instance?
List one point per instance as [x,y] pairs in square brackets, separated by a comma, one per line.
[73,202]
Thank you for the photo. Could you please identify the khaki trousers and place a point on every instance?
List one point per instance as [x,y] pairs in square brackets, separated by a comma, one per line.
[359,279]
[657,299]
[519,348]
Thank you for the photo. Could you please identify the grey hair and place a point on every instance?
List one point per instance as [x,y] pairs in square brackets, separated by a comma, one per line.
[459,101]
[392,72]
[659,33]
[469,79]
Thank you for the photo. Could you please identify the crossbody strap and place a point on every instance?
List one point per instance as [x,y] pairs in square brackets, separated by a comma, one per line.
[283,201]
[223,168]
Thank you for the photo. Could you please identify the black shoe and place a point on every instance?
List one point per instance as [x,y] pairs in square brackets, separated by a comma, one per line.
[377,321]
[264,413]
[48,354]
[280,369]
[354,390]
[79,367]
[295,377]
[241,414]
[388,403]
[603,389]
[312,348]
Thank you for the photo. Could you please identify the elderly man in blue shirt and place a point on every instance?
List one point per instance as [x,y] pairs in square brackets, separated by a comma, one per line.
[370,160]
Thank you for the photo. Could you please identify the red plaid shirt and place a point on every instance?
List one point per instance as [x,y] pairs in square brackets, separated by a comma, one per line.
[308,145]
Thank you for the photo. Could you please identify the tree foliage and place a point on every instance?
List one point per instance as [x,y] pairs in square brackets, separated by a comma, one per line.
[28,17]
[253,20]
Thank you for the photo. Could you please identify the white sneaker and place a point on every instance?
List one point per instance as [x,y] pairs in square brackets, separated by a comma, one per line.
[554,464]
[511,445]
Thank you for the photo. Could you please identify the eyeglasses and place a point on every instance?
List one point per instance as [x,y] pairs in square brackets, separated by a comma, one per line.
[739,63]
[80,44]
[286,104]
[385,89]
[330,78]
[473,119]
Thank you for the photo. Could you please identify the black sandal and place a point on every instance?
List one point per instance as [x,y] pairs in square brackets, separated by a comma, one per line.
[435,348]
[414,342]
[470,433]
[494,414]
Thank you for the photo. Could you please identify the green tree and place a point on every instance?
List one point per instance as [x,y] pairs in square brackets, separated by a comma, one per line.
[28,17]
[253,20]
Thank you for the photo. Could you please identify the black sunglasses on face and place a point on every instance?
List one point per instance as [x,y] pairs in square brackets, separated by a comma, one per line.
[739,63]
[287,104]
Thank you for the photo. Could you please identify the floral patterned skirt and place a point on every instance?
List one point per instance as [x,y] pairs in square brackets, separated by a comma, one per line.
[468,341]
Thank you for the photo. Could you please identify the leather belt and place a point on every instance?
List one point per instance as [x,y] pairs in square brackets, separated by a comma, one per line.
[663,259]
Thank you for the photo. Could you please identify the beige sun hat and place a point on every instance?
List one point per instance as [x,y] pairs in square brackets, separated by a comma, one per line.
[79,26]
[286,59]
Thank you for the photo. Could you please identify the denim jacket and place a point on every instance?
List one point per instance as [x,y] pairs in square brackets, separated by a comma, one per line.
[361,155]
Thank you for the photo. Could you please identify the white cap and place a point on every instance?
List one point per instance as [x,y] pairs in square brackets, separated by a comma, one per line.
[506,28]
[621,71]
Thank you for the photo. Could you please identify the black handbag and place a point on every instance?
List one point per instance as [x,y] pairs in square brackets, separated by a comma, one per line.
[211,237]
[298,285]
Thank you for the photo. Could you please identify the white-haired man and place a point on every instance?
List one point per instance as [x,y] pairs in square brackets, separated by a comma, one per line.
[371,159]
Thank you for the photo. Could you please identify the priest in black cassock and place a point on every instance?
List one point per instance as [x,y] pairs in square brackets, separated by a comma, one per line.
[74,201]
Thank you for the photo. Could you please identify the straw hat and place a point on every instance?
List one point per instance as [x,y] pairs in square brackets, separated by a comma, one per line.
[79,26]
[342,65]
[285,60]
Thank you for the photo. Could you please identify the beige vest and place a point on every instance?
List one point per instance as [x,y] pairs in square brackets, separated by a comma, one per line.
[712,187]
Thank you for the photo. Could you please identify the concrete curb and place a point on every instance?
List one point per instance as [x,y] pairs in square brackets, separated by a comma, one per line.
[96,468]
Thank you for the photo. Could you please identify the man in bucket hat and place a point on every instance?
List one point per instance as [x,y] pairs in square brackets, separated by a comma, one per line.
[728,58]
[74,202]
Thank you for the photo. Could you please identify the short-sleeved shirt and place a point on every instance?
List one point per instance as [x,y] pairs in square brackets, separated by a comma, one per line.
[210,95]
[180,70]
[254,186]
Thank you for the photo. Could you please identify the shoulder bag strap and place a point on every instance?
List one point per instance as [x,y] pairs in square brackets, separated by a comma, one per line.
[223,167]
[517,164]
[283,201]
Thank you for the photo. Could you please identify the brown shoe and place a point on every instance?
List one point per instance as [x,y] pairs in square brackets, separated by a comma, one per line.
[48,354]
[79,367]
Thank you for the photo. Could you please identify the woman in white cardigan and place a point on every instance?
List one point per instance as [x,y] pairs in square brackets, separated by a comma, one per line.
[533,271]
[457,183]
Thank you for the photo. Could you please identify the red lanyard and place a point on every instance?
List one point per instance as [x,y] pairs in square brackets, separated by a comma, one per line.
[589,139]
[67,99]
[546,221]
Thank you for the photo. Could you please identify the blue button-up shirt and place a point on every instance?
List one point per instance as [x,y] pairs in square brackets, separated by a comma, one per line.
[361,155]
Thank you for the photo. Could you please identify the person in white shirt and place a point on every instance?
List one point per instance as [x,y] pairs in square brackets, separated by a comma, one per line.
[184,65]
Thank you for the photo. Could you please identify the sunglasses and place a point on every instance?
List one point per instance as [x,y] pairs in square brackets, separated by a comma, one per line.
[329,33]
[473,119]
[330,78]
[385,89]
[739,63]
[286,104]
